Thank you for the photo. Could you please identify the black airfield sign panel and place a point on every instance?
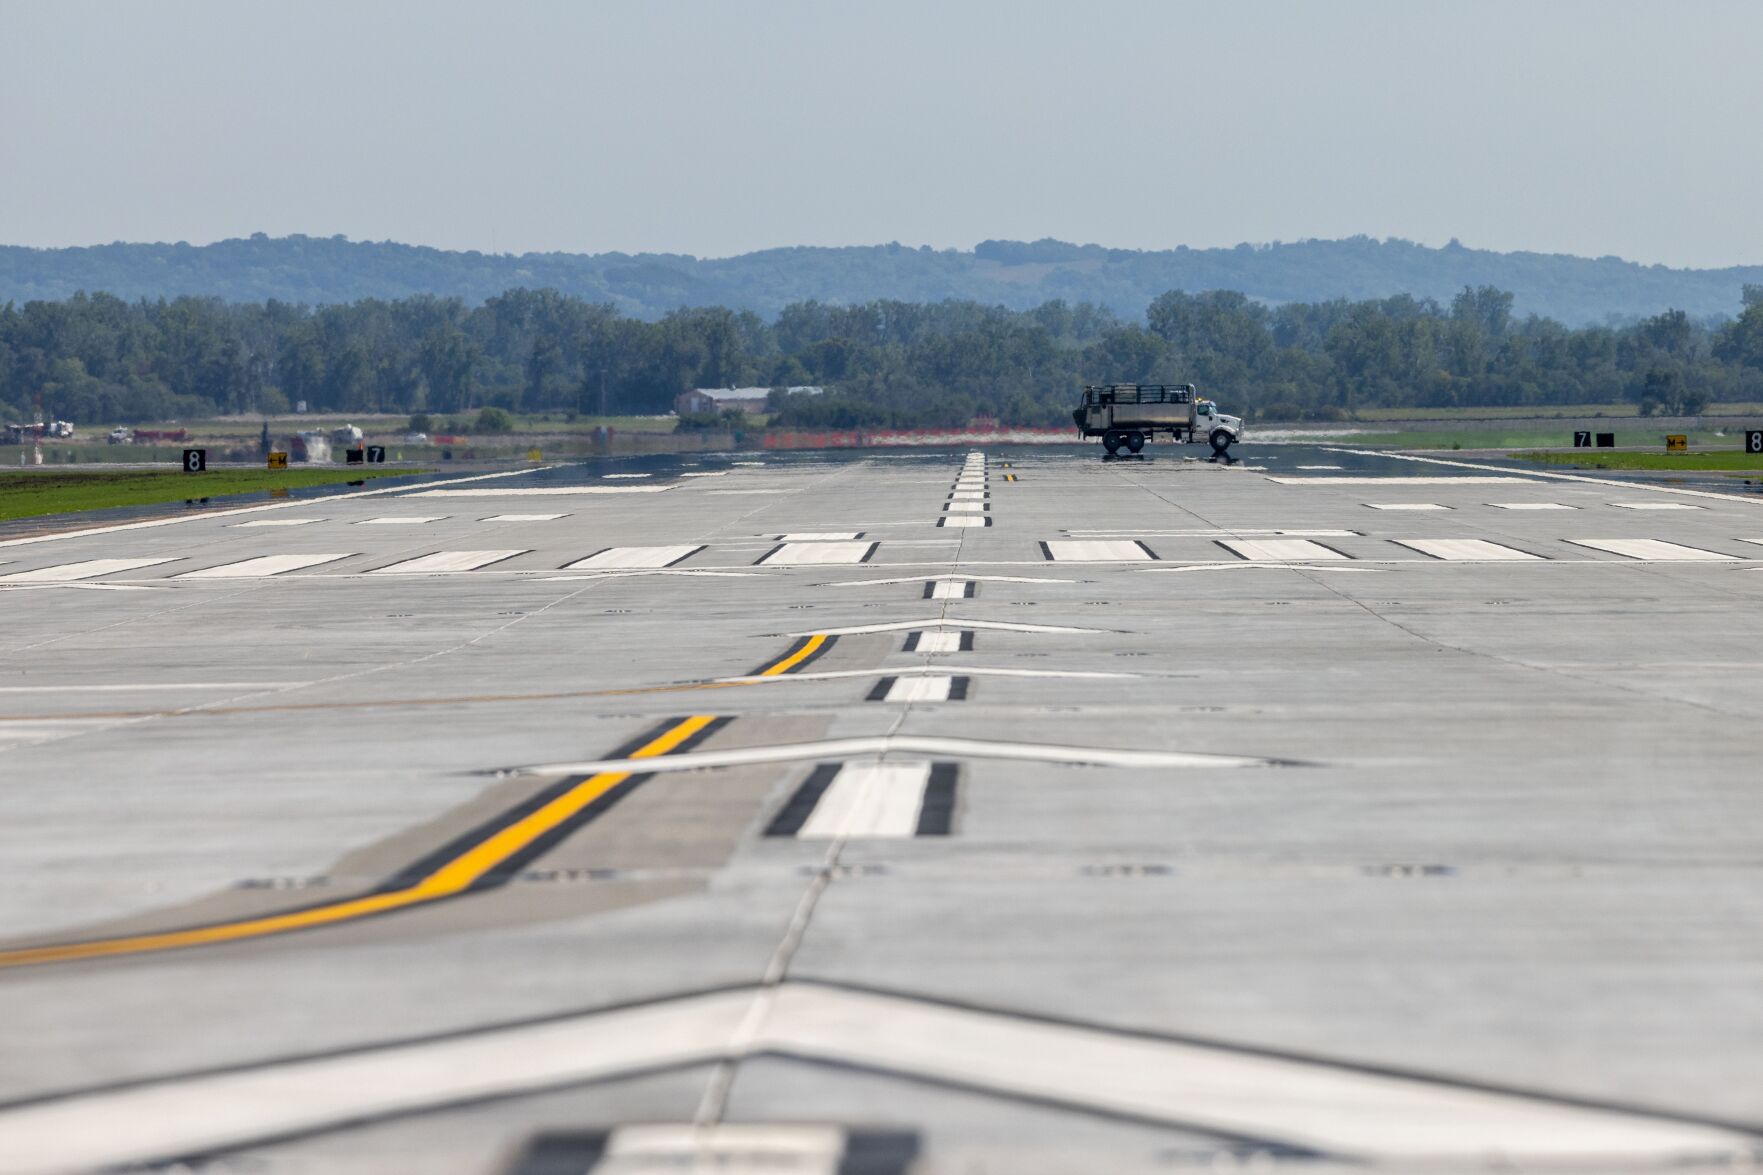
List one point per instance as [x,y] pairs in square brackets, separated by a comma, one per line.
[1582,440]
[1754,440]
[195,460]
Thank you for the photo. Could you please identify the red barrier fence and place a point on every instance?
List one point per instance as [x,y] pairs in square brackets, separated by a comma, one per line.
[886,438]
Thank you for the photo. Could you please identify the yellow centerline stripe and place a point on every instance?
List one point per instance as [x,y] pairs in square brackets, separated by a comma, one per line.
[809,647]
[449,879]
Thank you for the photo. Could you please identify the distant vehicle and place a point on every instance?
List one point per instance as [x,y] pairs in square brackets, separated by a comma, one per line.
[348,436]
[1126,416]
[145,436]
[312,447]
[415,438]
[18,434]
[120,436]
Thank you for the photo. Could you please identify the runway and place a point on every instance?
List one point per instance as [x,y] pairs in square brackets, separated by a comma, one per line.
[991,810]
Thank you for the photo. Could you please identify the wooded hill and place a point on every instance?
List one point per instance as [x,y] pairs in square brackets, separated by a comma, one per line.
[1014,274]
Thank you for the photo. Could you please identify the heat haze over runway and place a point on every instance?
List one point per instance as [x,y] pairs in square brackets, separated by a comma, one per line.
[932,811]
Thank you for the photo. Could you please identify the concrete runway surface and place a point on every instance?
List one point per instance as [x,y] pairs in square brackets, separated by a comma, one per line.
[945,812]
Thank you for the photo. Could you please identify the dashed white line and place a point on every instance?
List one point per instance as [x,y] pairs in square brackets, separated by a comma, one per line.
[871,800]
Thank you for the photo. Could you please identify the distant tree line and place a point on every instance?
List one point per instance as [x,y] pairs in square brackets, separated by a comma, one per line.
[97,359]
[1018,274]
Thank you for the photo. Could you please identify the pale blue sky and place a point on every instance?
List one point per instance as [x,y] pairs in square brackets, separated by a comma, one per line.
[717,128]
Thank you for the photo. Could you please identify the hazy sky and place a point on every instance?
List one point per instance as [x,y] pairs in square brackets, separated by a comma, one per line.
[717,128]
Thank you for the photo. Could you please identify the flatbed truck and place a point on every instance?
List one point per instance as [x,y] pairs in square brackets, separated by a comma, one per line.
[1126,416]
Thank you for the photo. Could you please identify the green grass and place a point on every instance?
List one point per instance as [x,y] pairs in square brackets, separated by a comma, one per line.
[1624,411]
[65,491]
[1727,459]
[1638,433]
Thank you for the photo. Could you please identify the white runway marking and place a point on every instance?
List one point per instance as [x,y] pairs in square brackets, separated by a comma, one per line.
[401,520]
[1469,550]
[20,733]
[744,1148]
[967,496]
[957,520]
[880,800]
[540,492]
[939,642]
[1316,467]
[946,622]
[936,687]
[1656,506]
[1654,550]
[820,536]
[950,579]
[1217,532]
[1096,551]
[799,554]
[1279,550]
[276,522]
[1397,481]
[890,744]
[446,561]
[635,557]
[920,670]
[717,473]
[148,685]
[1338,1109]
[522,517]
[1406,506]
[626,476]
[84,569]
[950,589]
[262,566]
[963,507]
[1531,506]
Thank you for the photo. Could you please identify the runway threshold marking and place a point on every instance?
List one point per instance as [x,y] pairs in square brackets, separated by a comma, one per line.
[481,862]
[1468,550]
[84,569]
[1278,550]
[446,561]
[263,566]
[1654,550]
[636,557]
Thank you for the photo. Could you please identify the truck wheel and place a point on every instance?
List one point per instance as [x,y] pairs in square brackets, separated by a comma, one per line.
[1220,440]
[1111,442]
[1135,441]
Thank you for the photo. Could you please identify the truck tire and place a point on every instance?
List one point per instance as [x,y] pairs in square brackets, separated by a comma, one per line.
[1111,442]
[1220,440]
[1135,441]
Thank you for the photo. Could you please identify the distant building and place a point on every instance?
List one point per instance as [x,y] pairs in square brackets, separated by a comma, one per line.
[700,401]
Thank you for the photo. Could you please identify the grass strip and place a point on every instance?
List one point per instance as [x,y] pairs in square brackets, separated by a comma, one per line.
[67,491]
